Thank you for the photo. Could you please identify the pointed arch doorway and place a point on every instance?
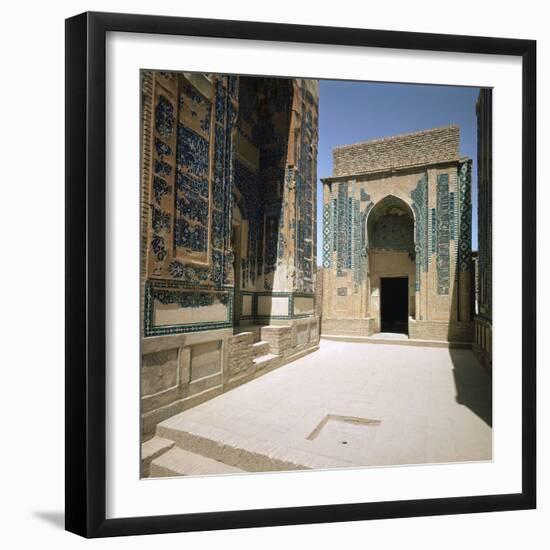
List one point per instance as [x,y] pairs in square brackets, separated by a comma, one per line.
[391,264]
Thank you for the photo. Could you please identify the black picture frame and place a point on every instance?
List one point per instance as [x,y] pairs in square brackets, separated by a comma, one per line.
[86,275]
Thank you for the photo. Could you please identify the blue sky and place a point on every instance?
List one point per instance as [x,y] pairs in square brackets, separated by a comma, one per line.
[356,111]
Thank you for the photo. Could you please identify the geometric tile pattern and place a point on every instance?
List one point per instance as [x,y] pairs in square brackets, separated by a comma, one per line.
[168,292]
[420,208]
[393,232]
[465,223]
[190,201]
[433,232]
[356,244]
[443,235]
[327,234]
[194,171]
[334,224]
[192,219]
[342,230]
[452,215]
[305,178]
[164,117]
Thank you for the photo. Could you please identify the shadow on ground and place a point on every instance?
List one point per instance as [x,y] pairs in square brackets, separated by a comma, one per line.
[474,388]
[57,519]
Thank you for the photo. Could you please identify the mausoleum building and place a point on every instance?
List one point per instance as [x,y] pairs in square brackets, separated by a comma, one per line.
[397,238]
[228,233]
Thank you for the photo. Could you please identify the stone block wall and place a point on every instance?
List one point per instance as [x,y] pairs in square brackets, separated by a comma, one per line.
[319,292]
[441,330]
[279,339]
[483,342]
[240,354]
[353,327]
[184,370]
[179,372]
[406,150]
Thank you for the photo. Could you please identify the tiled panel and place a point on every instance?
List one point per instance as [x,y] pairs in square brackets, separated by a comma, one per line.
[393,232]
[465,235]
[420,207]
[452,215]
[188,239]
[194,167]
[161,206]
[305,191]
[342,232]
[443,234]
[172,308]
[192,217]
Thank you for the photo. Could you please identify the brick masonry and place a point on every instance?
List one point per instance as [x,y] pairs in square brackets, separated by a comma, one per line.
[441,330]
[413,149]
[240,354]
[354,327]
[279,339]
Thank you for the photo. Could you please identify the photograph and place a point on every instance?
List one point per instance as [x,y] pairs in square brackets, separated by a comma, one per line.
[267,308]
[315,274]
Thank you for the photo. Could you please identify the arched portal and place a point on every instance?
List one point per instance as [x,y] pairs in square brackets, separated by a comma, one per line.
[391,264]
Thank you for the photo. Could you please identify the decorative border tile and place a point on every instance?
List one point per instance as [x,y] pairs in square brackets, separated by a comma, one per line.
[443,235]
[290,296]
[465,227]
[422,244]
[163,288]
[327,234]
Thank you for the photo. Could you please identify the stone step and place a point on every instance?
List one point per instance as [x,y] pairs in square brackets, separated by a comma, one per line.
[254,329]
[152,449]
[260,348]
[412,342]
[264,361]
[252,454]
[178,462]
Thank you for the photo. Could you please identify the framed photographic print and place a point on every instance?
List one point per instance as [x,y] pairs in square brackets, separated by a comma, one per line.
[282,247]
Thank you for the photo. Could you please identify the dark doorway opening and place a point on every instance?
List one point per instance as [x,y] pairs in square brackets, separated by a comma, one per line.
[394,307]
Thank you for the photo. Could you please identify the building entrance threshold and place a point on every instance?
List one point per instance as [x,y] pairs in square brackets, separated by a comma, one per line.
[396,339]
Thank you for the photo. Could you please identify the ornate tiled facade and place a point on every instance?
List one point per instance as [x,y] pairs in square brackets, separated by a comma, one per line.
[399,207]
[222,143]
[228,222]
[483,342]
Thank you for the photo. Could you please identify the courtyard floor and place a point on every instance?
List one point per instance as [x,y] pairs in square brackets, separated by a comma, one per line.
[348,404]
